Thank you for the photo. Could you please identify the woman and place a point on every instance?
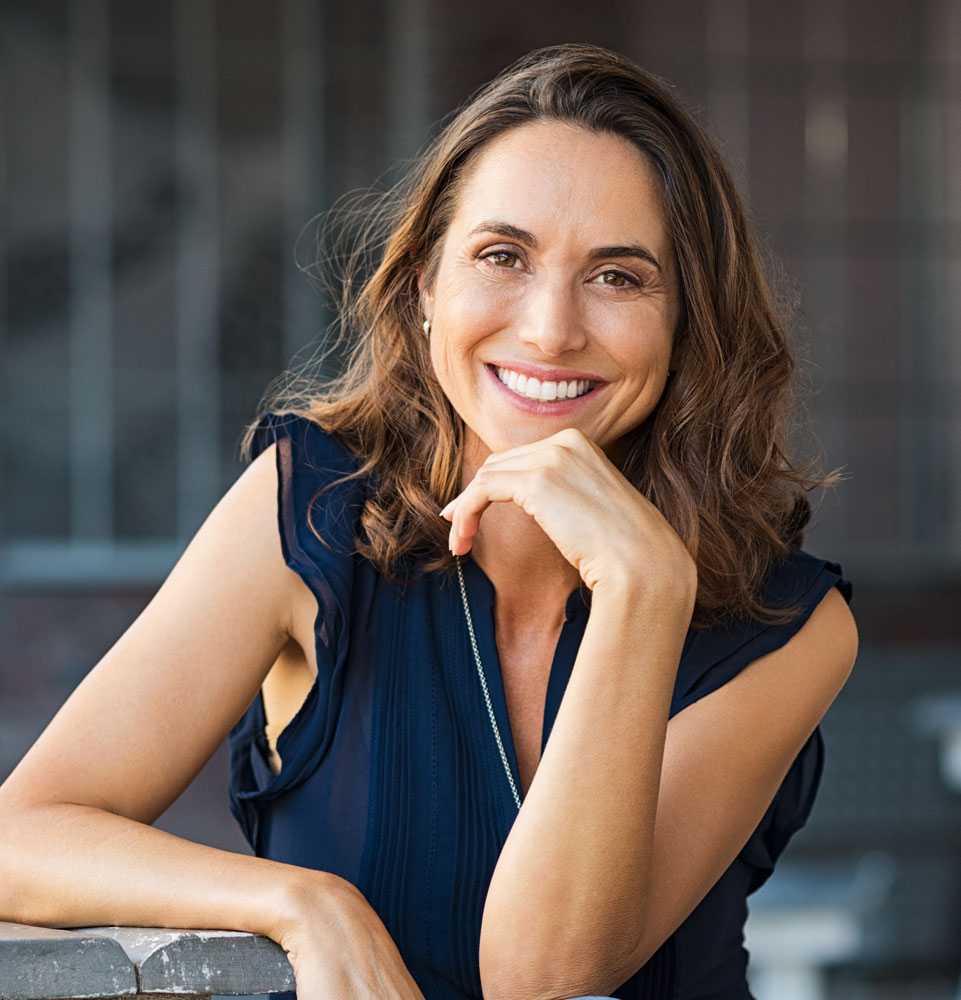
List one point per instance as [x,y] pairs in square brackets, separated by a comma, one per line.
[549,498]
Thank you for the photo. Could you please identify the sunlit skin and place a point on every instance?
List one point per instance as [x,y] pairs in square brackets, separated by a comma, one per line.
[557,261]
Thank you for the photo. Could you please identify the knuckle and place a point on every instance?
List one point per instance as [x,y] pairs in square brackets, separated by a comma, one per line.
[570,437]
[555,457]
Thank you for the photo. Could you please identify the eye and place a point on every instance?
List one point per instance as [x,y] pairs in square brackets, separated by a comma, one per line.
[618,279]
[501,258]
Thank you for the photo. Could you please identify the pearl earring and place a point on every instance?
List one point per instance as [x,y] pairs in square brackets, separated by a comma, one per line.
[426,327]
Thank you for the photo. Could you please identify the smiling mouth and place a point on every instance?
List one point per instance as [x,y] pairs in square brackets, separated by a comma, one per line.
[544,392]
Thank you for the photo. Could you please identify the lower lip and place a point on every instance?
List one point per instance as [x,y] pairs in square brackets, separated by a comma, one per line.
[540,407]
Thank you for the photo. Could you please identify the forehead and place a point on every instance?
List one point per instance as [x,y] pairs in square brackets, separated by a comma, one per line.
[546,175]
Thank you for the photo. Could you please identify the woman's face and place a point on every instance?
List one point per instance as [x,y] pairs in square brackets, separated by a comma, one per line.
[555,298]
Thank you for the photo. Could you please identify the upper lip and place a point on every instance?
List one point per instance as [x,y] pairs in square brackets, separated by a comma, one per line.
[546,374]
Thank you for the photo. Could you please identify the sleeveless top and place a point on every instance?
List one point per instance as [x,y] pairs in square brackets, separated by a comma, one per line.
[391,777]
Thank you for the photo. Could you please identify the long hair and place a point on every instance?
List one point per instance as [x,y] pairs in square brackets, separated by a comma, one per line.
[712,456]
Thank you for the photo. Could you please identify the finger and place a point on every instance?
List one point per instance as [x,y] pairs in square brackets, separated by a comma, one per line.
[536,472]
[470,506]
[508,461]
[570,439]
[464,526]
[492,485]
[547,451]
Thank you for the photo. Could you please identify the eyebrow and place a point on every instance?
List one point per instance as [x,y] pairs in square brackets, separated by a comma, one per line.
[508,231]
[635,250]
[519,235]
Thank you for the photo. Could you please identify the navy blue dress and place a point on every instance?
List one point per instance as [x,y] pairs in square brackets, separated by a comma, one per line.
[391,777]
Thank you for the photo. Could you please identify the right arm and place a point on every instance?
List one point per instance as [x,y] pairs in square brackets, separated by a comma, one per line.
[76,847]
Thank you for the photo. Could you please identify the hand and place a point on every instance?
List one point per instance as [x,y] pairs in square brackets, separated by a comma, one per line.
[599,522]
[338,947]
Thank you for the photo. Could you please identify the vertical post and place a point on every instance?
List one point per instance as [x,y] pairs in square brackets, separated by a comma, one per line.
[825,204]
[5,33]
[728,41]
[408,75]
[304,160]
[197,264]
[925,481]
[948,33]
[91,273]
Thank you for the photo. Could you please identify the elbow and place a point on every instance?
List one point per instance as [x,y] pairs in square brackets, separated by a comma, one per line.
[14,836]
[528,966]
[28,840]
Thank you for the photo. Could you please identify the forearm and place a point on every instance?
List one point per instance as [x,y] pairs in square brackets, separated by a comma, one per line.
[569,887]
[71,865]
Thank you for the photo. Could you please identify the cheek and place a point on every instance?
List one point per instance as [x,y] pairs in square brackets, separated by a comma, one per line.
[466,311]
[440,360]
[643,346]
[450,356]
[466,290]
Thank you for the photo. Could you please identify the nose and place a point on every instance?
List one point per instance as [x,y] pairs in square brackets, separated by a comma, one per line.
[551,321]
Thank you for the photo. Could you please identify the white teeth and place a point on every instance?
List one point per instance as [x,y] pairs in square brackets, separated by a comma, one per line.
[546,392]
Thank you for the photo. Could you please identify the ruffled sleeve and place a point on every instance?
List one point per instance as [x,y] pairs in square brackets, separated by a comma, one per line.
[317,513]
[712,657]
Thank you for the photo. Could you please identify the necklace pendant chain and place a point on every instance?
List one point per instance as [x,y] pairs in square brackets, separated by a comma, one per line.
[483,682]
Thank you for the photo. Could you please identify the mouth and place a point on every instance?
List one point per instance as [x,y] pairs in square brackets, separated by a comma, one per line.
[542,390]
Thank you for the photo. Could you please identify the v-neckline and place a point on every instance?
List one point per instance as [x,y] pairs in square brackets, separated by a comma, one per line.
[480,595]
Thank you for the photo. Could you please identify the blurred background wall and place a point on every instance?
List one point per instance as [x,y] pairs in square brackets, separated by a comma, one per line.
[158,162]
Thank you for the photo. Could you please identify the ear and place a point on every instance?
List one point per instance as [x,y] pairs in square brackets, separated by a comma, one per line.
[426,297]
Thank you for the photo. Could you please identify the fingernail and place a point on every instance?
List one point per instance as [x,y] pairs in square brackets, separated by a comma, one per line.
[446,512]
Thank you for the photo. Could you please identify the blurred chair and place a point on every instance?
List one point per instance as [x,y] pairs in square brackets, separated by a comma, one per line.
[939,715]
[809,918]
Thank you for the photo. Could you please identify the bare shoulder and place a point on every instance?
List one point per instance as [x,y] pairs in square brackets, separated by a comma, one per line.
[833,613]
[820,656]
[251,502]
[235,557]
[832,625]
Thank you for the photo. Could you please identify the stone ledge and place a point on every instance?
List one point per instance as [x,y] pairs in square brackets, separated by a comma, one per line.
[41,963]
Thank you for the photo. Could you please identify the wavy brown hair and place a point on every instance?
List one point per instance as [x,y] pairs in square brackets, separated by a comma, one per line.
[712,456]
